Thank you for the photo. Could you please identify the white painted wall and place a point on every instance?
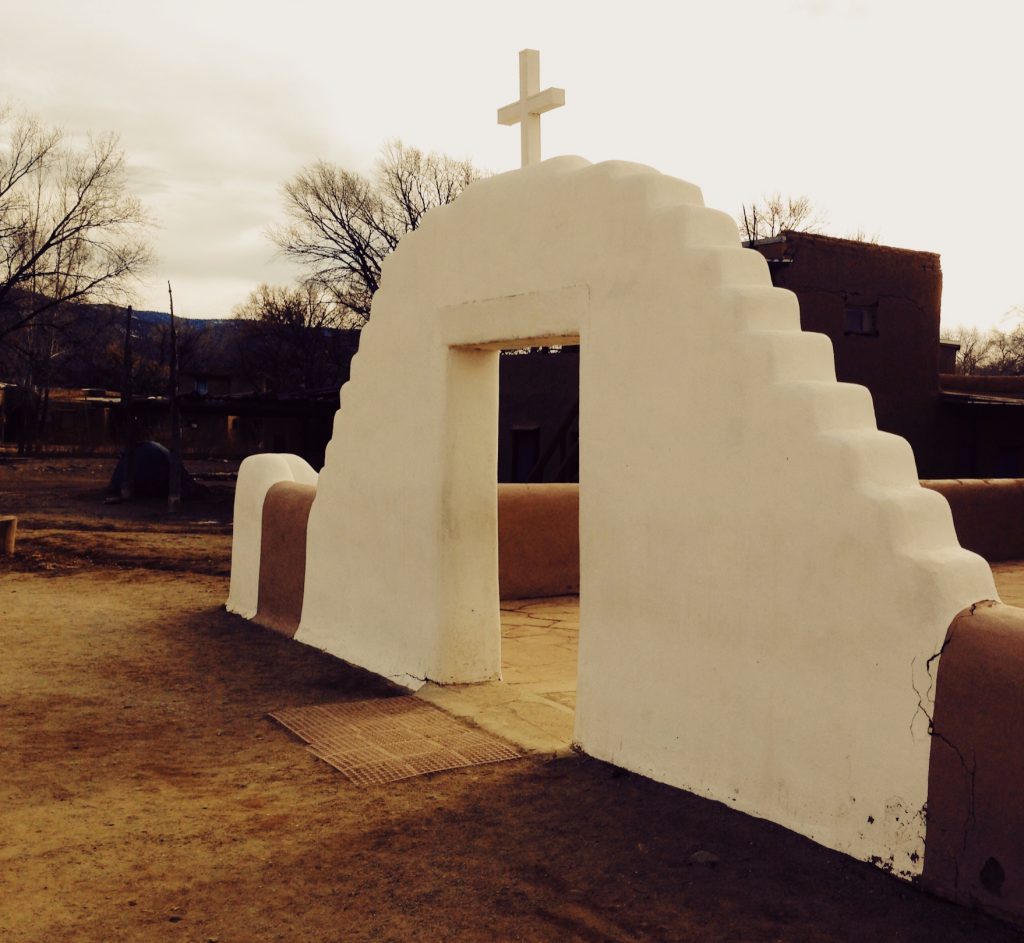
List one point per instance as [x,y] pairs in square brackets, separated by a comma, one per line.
[763,579]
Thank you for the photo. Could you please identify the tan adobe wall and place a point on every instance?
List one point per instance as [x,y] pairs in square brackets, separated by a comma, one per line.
[988,514]
[538,540]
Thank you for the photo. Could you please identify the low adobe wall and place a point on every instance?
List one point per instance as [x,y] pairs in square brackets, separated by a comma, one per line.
[538,540]
[538,546]
[974,847]
[538,530]
[988,514]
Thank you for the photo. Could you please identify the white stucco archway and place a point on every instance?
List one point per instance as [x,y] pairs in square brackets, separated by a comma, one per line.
[763,578]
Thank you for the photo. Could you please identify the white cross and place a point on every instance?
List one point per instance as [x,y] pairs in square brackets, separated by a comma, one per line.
[531,105]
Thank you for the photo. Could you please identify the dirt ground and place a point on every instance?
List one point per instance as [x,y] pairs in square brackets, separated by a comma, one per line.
[145,796]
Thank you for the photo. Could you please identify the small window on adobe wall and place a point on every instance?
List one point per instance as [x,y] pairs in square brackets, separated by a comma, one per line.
[861,320]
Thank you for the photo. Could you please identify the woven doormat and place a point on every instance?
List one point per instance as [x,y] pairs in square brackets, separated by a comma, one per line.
[382,741]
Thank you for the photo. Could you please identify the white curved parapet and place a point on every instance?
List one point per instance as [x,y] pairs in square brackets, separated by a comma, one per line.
[256,475]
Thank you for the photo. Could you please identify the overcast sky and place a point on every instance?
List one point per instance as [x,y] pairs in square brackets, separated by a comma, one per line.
[899,118]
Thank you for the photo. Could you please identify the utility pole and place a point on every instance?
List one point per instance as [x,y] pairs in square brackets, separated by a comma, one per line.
[174,481]
[127,419]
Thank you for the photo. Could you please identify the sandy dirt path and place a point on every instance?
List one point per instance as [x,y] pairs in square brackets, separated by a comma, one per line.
[145,796]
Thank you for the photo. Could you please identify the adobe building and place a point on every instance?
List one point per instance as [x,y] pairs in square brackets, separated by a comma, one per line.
[880,307]
[981,422]
[538,415]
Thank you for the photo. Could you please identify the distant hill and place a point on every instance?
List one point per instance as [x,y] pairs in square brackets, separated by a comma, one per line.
[253,356]
[160,318]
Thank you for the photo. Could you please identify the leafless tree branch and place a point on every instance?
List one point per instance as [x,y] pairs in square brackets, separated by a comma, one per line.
[773,214]
[342,225]
[69,229]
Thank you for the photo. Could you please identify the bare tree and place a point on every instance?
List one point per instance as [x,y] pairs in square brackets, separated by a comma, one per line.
[860,234]
[994,352]
[773,214]
[69,229]
[1004,352]
[1014,315]
[343,225]
[285,338]
[974,348]
[70,233]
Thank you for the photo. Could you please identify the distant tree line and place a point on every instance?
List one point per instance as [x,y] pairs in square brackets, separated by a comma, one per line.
[994,352]
[273,357]
[72,242]
[341,226]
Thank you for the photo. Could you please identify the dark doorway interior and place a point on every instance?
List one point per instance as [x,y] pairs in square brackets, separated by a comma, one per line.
[538,415]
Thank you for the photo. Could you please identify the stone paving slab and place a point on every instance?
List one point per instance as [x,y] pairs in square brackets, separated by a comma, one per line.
[533,706]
